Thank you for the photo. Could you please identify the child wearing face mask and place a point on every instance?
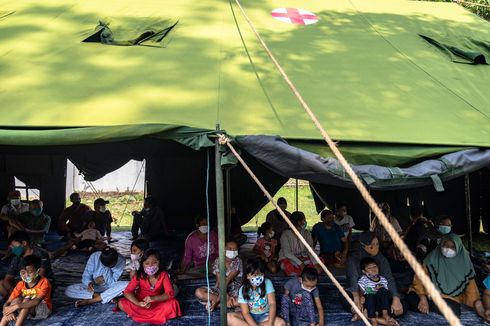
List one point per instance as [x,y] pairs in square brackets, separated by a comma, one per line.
[31,297]
[197,253]
[138,247]
[266,245]
[300,298]
[149,296]
[257,299]
[234,274]
[377,297]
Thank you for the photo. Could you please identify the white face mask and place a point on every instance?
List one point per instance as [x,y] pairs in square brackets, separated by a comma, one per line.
[102,209]
[231,254]
[271,234]
[448,252]
[203,229]
[136,257]
[15,202]
[306,289]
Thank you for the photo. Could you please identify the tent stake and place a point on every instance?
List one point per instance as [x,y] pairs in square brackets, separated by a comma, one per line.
[220,213]
[468,212]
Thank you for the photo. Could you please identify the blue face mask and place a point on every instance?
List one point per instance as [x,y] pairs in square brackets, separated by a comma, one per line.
[444,229]
[17,251]
[36,211]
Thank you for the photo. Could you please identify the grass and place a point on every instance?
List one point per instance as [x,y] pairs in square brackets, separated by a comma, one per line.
[121,205]
[306,204]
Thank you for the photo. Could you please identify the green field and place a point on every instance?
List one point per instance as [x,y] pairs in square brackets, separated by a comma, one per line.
[122,204]
[305,204]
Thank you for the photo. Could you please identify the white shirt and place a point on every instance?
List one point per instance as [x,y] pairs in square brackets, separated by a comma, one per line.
[346,223]
[12,211]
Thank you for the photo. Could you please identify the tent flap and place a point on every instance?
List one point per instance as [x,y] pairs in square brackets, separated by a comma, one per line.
[293,162]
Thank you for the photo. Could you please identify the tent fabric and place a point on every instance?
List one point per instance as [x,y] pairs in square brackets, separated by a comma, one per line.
[292,162]
[362,68]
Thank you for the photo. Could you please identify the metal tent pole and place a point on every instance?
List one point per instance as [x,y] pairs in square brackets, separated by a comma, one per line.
[220,213]
[468,211]
[228,200]
[297,195]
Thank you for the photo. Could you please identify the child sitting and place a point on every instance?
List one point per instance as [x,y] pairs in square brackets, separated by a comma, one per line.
[265,246]
[234,274]
[100,279]
[149,297]
[377,297]
[31,297]
[90,238]
[257,299]
[297,306]
[138,248]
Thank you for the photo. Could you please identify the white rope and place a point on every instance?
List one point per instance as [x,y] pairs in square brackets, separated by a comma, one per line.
[225,141]
[412,261]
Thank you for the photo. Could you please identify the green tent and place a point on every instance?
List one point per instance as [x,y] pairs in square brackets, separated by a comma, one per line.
[395,82]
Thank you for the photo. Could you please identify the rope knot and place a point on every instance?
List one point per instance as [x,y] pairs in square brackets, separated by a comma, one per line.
[223,140]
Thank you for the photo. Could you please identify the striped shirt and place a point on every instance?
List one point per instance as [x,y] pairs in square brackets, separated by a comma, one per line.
[370,286]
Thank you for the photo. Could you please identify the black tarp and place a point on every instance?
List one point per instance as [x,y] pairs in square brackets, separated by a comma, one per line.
[176,175]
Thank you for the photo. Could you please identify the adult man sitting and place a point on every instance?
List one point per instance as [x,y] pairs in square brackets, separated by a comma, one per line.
[101,216]
[150,220]
[35,222]
[71,219]
[11,209]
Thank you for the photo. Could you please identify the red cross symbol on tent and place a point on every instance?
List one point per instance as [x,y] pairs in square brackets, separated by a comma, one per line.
[294,16]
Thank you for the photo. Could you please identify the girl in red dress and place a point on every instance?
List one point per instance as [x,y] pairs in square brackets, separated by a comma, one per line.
[149,297]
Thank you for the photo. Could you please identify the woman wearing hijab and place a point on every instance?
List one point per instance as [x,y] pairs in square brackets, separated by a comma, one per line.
[369,247]
[451,271]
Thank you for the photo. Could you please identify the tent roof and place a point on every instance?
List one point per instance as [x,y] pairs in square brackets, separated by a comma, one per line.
[362,68]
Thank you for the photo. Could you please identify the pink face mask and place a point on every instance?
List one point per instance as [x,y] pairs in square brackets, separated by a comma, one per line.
[151,270]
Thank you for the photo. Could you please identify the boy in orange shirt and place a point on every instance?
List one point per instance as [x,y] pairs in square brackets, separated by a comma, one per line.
[31,297]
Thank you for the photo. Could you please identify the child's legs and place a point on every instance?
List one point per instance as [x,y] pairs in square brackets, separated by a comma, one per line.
[114,291]
[383,301]
[22,316]
[370,304]
[236,319]
[202,295]
[272,267]
[290,268]
[78,291]
[305,312]
[100,245]
[277,322]
[285,307]
[455,307]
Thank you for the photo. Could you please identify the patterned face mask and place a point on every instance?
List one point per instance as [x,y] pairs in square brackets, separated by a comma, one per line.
[257,280]
[151,270]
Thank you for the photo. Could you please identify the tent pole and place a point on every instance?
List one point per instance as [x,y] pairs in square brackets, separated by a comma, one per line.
[468,211]
[220,213]
[296,181]
[228,200]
